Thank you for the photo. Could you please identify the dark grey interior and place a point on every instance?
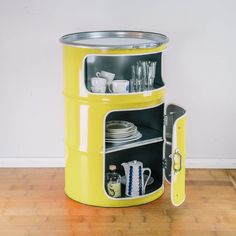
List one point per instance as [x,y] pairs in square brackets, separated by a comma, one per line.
[120,66]
[151,154]
[151,117]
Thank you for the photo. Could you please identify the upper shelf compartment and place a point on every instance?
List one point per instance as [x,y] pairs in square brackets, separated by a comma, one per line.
[123,74]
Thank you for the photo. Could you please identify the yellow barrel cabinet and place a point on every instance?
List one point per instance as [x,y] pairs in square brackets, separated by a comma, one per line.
[162,146]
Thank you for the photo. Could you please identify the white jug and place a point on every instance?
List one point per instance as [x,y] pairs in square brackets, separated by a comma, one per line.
[135,185]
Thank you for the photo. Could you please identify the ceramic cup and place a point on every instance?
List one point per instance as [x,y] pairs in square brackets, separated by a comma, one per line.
[119,86]
[106,75]
[98,85]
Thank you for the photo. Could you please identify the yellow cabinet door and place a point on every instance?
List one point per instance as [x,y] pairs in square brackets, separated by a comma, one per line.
[174,152]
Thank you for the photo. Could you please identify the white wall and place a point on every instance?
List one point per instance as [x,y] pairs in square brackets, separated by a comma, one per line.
[198,67]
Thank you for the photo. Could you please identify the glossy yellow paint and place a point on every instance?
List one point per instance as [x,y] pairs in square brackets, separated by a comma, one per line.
[85,115]
[178,165]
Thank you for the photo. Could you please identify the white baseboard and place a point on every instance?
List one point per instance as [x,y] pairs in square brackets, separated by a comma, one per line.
[43,161]
[211,163]
[20,162]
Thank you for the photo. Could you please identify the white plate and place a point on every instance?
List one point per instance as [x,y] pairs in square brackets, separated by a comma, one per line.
[136,134]
[125,140]
[121,135]
[119,126]
[132,129]
[150,181]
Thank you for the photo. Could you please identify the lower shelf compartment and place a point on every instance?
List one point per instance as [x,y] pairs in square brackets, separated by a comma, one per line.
[150,155]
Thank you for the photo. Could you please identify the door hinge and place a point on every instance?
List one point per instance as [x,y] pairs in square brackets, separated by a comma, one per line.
[165,120]
[169,118]
[164,164]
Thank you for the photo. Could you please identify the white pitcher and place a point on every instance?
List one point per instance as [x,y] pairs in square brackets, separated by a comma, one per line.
[134,171]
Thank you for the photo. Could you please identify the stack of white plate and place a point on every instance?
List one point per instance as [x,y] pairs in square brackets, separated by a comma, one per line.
[120,131]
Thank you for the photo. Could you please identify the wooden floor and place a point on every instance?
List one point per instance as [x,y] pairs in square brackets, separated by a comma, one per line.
[32,202]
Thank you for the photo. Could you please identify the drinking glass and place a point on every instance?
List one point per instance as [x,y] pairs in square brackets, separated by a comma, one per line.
[138,78]
[132,81]
[151,74]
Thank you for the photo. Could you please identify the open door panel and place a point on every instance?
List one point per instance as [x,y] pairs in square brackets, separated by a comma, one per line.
[174,151]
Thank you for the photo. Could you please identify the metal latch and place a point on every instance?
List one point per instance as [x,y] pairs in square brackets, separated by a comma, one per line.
[177,161]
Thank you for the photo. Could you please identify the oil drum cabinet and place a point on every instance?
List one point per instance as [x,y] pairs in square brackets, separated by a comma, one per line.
[88,155]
